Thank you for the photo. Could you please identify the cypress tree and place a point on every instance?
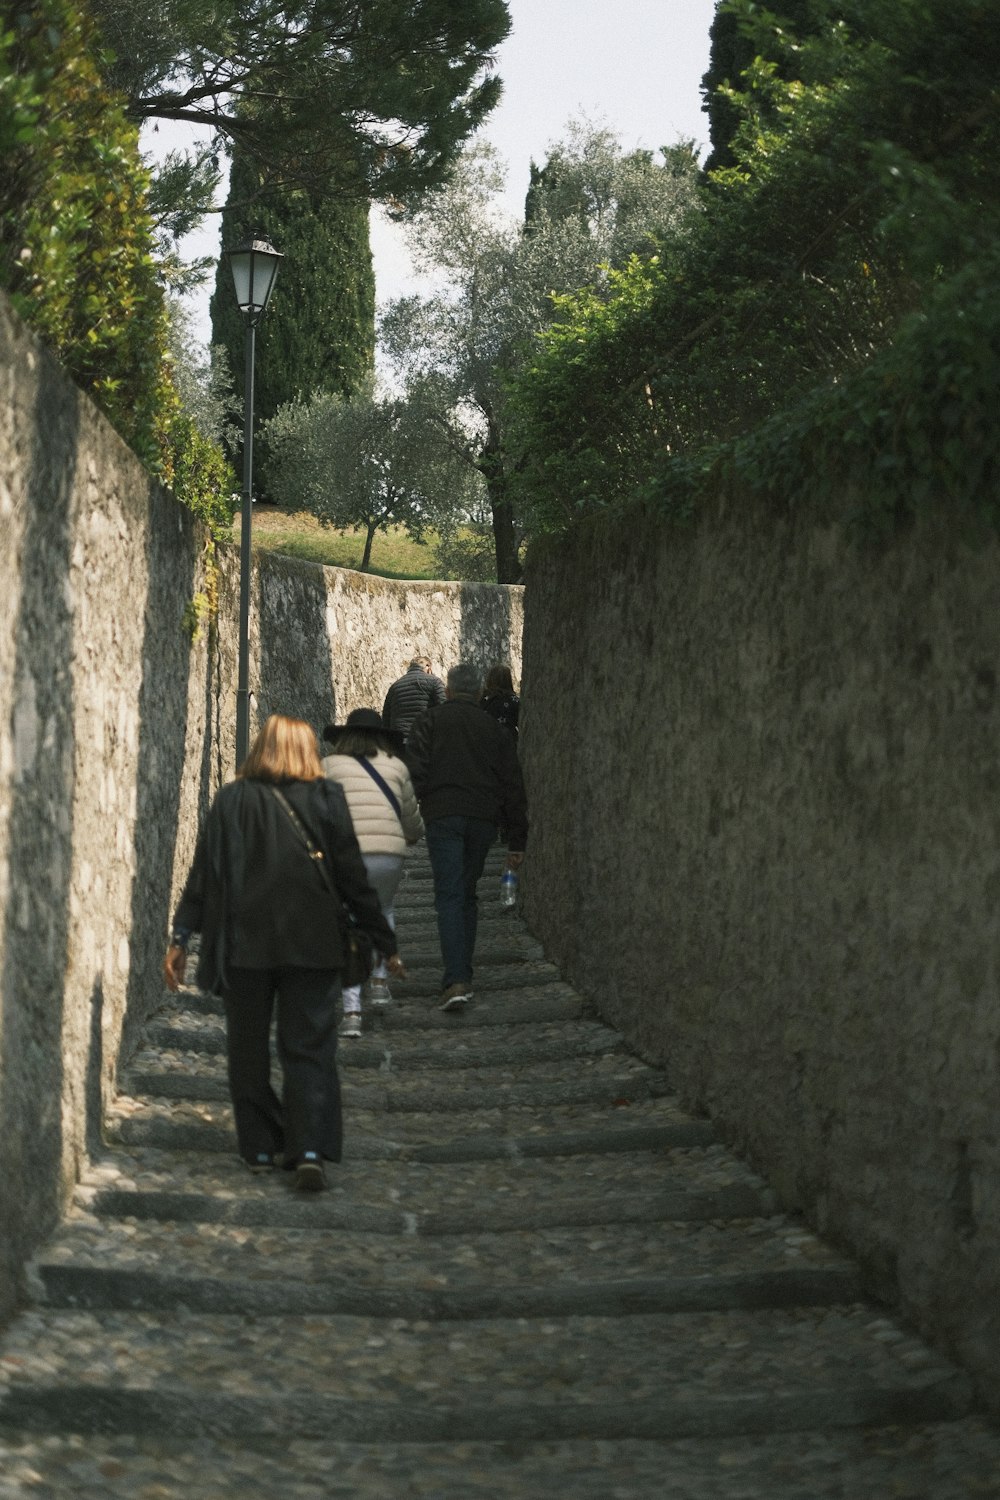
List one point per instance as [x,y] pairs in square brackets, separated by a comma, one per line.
[318,333]
[732,50]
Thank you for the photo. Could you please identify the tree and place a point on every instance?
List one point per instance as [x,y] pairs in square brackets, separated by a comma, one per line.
[366,100]
[591,206]
[732,49]
[366,461]
[820,318]
[203,380]
[319,331]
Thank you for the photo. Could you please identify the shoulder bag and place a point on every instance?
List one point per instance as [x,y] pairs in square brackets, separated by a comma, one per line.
[358,947]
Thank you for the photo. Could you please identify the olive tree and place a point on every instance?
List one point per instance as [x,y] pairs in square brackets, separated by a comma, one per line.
[590,207]
[368,461]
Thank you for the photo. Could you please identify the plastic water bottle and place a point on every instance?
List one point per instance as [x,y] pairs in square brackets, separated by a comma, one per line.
[508,889]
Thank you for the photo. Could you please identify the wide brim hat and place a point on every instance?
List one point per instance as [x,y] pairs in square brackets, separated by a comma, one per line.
[368,721]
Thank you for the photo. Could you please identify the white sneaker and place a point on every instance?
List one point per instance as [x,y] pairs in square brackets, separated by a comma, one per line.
[350,1026]
[379,993]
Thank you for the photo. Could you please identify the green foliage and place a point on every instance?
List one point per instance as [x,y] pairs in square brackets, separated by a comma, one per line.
[202,476]
[319,330]
[468,552]
[76,243]
[395,554]
[917,426]
[734,48]
[203,380]
[76,234]
[589,207]
[368,101]
[364,461]
[865,189]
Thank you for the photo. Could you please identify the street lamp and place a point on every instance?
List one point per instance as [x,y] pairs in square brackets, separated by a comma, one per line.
[254,266]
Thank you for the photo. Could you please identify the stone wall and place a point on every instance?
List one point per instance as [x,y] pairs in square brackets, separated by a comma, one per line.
[324,641]
[103,757]
[762,762]
[118,727]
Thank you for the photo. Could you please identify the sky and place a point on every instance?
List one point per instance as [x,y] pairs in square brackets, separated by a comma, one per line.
[634,66]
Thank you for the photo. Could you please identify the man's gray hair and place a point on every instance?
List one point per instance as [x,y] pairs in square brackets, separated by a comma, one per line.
[465,681]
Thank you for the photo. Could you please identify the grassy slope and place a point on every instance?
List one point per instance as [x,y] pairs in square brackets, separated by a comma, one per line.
[394,555]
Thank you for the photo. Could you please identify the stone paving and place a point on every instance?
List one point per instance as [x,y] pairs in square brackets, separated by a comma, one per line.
[533,1276]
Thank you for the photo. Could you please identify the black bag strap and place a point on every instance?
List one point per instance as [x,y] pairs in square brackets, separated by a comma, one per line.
[316,855]
[350,931]
[380,781]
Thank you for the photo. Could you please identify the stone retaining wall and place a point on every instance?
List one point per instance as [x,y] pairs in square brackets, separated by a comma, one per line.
[103,758]
[763,765]
[117,728]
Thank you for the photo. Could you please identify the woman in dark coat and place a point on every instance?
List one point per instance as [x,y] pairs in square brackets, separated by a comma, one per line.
[273,929]
[499,698]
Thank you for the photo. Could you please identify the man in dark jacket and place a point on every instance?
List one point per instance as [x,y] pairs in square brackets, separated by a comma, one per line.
[467,777]
[410,694]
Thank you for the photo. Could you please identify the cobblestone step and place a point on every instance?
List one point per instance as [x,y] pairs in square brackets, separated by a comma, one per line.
[100,1288]
[640,1376]
[373,1243]
[183,1039]
[490,982]
[582,1211]
[144,1134]
[524,1001]
[206,1124]
[423,1183]
[602,1082]
[420,950]
[944,1461]
[534,1275]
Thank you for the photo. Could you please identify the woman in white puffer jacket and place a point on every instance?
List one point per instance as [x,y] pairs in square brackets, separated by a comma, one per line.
[366,761]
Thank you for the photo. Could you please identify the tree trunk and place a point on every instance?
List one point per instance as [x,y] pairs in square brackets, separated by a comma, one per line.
[367,555]
[504,534]
[505,538]
[491,466]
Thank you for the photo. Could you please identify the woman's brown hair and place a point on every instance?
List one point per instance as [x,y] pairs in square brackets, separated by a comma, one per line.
[498,680]
[285,749]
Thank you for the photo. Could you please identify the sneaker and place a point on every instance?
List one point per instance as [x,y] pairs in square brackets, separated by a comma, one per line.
[379,993]
[264,1161]
[309,1174]
[455,997]
[350,1026]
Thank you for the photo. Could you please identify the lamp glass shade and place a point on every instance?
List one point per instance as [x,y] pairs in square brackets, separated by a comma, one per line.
[255,267]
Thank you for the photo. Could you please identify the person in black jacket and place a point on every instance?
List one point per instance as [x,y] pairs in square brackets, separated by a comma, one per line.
[273,927]
[410,694]
[466,774]
[499,698]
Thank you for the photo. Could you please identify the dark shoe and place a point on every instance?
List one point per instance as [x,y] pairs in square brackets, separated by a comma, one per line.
[309,1174]
[455,997]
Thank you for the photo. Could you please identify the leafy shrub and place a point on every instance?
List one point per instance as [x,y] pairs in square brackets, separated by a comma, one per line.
[76,241]
[860,215]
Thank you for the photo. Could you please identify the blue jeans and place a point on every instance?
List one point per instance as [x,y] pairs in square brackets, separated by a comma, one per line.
[458,847]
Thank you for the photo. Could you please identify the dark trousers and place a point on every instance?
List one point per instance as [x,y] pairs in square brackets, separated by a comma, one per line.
[308,1116]
[458,847]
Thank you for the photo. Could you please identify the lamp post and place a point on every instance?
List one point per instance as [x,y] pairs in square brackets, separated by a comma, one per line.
[254,265]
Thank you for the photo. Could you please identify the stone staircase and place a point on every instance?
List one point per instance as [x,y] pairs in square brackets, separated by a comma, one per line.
[534,1276]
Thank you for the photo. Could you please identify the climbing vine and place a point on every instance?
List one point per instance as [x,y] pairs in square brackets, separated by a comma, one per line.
[76,244]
